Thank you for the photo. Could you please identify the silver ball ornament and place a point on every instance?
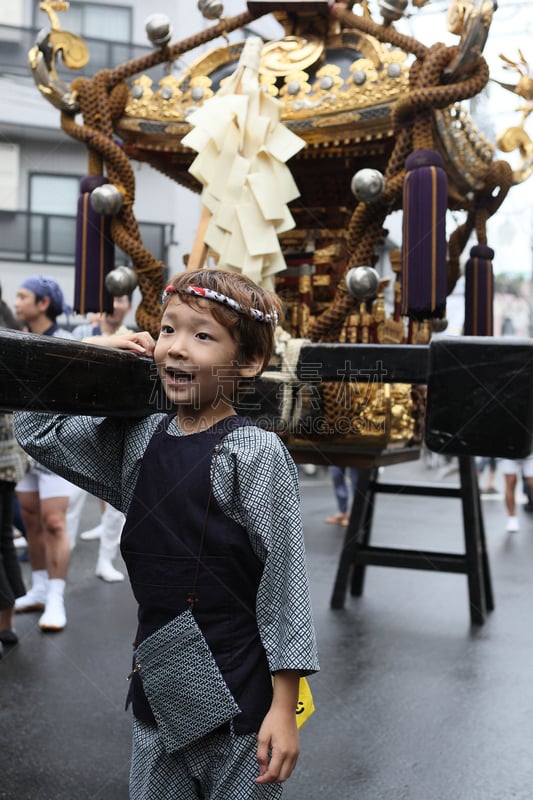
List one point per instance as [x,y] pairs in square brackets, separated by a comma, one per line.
[211,9]
[392,10]
[362,282]
[368,185]
[121,280]
[107,199]
[158,29]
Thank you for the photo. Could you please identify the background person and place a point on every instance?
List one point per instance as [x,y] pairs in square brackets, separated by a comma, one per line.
[106,324]
[488,463]
[512,470]
[344,485]
[14,464]
[112,520]
[43,495]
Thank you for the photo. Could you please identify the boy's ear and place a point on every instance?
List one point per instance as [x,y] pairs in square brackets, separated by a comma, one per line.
[252,367]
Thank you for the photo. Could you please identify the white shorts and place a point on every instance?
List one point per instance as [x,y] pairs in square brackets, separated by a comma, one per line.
[46,483]
[515,467]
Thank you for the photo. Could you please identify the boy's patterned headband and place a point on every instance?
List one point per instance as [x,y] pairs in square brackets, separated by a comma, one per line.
[218,297]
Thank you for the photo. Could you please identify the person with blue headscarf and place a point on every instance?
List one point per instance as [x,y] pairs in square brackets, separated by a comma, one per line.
[39,303]
[43,495]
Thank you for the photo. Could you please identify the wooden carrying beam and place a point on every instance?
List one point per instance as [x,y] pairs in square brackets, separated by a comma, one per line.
[42,373]
[479,400]
[480,388]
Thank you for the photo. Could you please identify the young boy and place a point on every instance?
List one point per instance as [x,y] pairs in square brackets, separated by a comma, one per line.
[252,593]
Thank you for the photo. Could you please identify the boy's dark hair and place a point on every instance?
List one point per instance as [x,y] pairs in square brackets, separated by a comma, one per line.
[254,338]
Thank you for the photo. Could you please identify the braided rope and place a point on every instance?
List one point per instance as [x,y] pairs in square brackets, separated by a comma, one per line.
[150,272]
[163,54]
[110,152]
[431,97]
[102,101]
[484,205]
[456,245]
[414,130]
[413,122]
[387,35]
[124,228]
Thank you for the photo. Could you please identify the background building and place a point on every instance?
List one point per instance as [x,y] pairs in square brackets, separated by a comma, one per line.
[41,167]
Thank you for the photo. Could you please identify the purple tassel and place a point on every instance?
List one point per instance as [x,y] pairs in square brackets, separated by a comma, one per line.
[479,292]
[425,202]
[95,252]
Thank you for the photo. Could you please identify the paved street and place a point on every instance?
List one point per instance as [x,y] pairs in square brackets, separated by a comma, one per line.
[412,702]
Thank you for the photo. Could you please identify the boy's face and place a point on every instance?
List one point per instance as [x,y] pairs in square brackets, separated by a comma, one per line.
[196,360]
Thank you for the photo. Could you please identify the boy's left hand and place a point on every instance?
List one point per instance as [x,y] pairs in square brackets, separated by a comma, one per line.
[278,746]
[140,342]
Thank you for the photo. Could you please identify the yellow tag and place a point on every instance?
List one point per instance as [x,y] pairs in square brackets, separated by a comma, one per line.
[305,706]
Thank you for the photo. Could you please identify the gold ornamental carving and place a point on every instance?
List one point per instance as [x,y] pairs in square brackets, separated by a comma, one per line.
[291,54]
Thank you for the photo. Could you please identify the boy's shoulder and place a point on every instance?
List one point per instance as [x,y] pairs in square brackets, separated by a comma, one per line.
[251,438]
[254,431]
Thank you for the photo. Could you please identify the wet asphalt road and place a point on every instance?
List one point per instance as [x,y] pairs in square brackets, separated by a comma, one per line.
[413,703]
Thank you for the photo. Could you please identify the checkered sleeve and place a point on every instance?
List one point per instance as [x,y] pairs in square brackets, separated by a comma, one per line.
[102,456]
[256,483]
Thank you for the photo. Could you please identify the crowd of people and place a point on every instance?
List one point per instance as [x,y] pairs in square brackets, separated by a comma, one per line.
[49,507]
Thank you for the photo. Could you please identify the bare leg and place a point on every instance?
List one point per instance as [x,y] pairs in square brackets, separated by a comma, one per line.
[49,552]
[510,488]
[30,508]
[54,512]
[512,520]
[57,544]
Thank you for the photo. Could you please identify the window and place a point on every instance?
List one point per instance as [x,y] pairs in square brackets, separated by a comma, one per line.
[54,194]
[12,12]
[9,176]
[53,201]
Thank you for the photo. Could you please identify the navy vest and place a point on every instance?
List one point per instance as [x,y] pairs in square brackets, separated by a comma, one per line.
[160,545]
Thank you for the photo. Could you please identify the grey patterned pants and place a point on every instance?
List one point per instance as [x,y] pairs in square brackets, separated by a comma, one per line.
[220,766]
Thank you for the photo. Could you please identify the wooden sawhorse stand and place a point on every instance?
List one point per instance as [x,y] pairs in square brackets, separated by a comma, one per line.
[357,552]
